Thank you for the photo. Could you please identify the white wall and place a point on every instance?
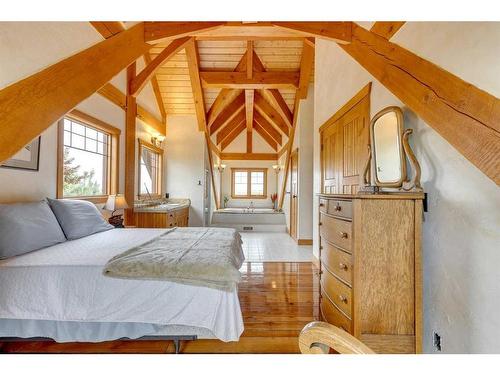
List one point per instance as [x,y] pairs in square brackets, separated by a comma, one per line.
[461,234]
[28,47]
[185,163]
[271,182]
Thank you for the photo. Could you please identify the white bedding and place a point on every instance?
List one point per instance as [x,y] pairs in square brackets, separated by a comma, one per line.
[64,283]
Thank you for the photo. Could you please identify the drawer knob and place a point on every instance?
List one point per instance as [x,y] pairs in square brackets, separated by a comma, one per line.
[343,266]
[320,223]
[343,234]
[322,205]
[321,247]
[338,207]
[343,298]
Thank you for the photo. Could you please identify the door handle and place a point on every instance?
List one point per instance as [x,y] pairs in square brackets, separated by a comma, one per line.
[294,196]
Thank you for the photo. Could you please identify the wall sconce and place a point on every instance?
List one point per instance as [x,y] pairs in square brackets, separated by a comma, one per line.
[220,167]
[158,140]
[277,168]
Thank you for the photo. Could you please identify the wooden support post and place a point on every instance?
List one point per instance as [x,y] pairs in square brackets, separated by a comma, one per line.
[130,143]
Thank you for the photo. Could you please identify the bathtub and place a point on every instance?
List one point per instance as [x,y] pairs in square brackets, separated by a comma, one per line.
[243,219]
[237,210]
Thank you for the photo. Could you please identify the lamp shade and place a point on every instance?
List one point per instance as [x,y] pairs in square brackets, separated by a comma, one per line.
[115,202]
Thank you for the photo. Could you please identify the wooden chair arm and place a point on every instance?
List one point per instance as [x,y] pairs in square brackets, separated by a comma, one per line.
[319,337]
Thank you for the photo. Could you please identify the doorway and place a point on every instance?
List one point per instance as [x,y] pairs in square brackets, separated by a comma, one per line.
[294,190]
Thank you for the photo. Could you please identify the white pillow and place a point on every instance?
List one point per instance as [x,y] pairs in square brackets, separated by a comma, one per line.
[78,218]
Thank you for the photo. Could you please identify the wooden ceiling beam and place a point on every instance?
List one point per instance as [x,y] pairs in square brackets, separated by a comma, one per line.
[228,113]
[249,110]
[237,131]
[114,95]
[273,95]
[339,32]
[157,32]
[268,127]
[156,90]
[248,156]
[306,67]
[231,125]
[466,116]
[108,28]
[386,29]
[44,97]
[260,80]
[265,135]
[268,111]
[225,96]
[194,74]
[249,54]
[150,69]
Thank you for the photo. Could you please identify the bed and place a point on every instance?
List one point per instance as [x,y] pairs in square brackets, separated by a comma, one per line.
[60,293]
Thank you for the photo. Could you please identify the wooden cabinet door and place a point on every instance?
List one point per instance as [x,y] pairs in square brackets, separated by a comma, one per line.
[344,149]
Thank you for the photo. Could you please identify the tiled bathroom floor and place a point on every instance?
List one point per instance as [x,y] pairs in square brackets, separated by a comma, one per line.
[273,247]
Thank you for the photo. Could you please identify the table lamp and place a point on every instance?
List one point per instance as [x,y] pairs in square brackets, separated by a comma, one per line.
[116,202]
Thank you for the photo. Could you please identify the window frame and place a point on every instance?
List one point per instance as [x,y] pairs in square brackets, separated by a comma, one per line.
[159,177]
[249,183]
[112,175]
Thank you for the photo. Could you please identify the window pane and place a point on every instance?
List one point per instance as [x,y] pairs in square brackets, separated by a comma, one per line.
[67,138]
[149,171]
[78,129]
[77,141]
[91,133]
[84,173]
[240,183]
[257,183]
[91,145]
[101,148]
[67,124]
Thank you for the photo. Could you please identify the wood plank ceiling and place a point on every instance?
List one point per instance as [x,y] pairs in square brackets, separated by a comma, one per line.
[269,56]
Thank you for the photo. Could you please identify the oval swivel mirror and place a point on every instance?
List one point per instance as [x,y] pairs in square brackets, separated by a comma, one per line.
[388,157]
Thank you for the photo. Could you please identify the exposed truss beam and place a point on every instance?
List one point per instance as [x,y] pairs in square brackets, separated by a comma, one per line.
[306,65]
[268,111]
[156,90]
[130,139]
[228,113]
[44,97]
[260,80]
[232,136]
[467,117]
[150,69]
[156,32]
[231,125]
[108,28]
[114,95]
[249,54]
[265,135]
[249,110]
[194,74]
[386,29]
[339,32]
[268,127]
[226,96]
[248,156]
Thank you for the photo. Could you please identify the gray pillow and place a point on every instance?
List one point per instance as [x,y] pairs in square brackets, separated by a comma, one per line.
[78,218]
[26,227]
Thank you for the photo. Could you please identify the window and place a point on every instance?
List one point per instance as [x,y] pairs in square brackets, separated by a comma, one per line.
[249,183]
[87,163]
[150,158]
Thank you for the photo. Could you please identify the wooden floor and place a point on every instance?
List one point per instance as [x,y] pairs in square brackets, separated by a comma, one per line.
[277,300]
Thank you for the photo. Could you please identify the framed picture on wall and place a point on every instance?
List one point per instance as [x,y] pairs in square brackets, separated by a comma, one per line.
[27,158]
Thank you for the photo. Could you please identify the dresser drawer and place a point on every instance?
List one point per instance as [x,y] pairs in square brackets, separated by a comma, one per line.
[339,293]
[337,261]
[340,208]
[333,315]
[338,232]
[323,205]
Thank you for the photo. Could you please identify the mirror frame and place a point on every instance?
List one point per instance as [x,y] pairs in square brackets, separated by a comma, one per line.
[399,116]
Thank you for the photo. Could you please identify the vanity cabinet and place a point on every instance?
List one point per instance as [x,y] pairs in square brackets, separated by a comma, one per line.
[166,219]
[370,268]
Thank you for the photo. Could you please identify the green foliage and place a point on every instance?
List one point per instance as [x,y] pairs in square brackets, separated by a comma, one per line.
[75,183]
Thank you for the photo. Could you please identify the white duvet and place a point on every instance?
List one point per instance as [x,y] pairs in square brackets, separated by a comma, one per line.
[64,283]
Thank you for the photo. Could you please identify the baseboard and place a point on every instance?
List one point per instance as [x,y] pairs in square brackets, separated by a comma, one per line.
[303,241]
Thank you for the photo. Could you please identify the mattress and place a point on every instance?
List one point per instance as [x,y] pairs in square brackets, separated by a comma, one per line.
[44,293]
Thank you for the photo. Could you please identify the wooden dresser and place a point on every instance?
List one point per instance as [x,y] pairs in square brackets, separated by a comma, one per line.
[370,268]
[173,218]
